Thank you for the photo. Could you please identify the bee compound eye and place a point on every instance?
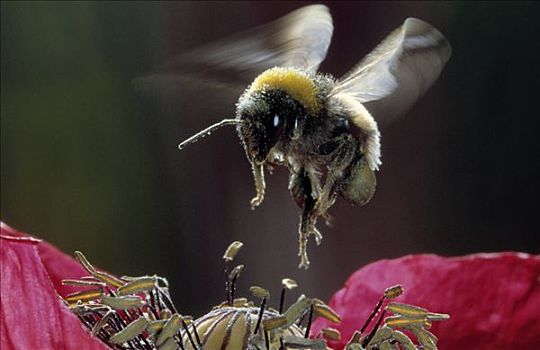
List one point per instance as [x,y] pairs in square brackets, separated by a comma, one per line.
[342,123]
[276,121]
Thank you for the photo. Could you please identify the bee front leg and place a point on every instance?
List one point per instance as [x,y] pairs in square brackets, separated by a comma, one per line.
[260,186]
[341,157]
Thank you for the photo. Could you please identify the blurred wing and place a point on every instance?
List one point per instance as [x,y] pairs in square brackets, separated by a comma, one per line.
[398,71]
[300,39]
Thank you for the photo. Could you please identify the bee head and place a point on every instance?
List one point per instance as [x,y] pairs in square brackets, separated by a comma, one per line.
[267,117]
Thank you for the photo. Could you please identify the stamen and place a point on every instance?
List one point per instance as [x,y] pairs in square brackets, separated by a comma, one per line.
[374,330]
[373,314]
[112,323]
[130,332]
[325,311]
[121,321]
[331,334]
[301,320]
[170,328]
[138,285]
[86,321]
[274,322]
[153,301]
[266,340]
[99,325]
[282,300]
[83,283]
[146,343]
[84,262]
[152,309]
[227,287]
[102,276]
[232,250]
[261,311]
[393,292]
[85,295]
[122,303]
[167,300]
[232,277]
[289,284]
[310,319]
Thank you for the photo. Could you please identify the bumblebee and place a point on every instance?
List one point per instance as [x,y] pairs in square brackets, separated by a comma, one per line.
[319,127]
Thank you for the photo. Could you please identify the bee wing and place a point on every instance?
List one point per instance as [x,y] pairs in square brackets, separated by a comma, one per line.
[398,71]
[299,39]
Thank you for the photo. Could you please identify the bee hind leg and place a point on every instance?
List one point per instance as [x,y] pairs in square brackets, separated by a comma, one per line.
[260,185]
[300,186]
[308,220]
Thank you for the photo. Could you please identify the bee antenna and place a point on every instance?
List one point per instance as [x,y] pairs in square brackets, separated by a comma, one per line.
[208,131]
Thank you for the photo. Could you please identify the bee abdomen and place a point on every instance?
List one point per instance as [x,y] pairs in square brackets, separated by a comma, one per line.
[358,185]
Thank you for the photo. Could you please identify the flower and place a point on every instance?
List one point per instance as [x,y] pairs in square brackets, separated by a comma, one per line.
[493,299]
[32,314]
[49,302]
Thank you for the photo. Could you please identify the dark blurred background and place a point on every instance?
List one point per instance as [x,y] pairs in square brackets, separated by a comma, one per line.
[88,163]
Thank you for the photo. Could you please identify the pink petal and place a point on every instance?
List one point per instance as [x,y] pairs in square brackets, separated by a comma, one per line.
[493,299]
[32,314]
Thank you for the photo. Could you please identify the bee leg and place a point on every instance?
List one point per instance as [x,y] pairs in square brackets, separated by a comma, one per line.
[341,157]
[300,186]
[314,178]
[306,229]
[258,176]
[312,230]
[359,183]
